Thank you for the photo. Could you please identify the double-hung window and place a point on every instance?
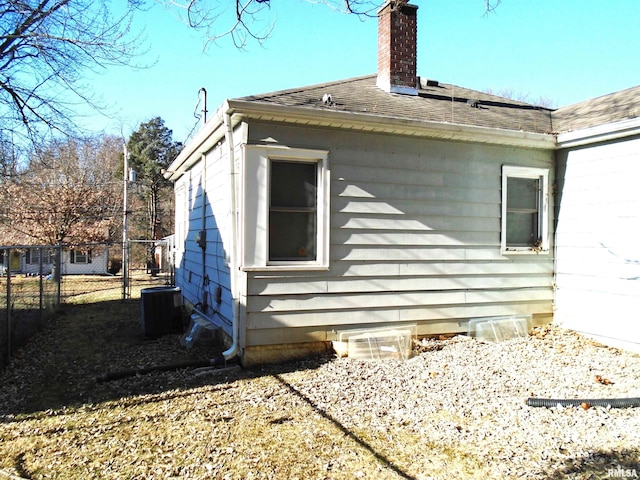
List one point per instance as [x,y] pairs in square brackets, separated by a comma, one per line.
[33,256]
[293,211]
[80,256]
[525,210]
[285,208]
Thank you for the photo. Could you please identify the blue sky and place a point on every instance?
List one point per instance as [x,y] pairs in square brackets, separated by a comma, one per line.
[564,51]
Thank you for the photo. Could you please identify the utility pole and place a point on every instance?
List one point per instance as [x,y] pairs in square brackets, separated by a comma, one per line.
[125,232]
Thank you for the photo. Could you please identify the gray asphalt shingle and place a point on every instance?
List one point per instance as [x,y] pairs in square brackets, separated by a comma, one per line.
[447,103]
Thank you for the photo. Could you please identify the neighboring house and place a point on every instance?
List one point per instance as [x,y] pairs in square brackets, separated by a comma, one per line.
[74,261]
[395,200]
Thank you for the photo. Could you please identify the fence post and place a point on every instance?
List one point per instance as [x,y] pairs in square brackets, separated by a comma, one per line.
[40,275]
[57,277]
[9,308]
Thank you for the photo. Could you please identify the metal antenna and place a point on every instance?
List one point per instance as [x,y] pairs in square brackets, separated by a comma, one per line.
[203,91]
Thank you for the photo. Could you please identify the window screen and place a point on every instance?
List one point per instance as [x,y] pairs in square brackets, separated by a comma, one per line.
[523,211]
[293,211]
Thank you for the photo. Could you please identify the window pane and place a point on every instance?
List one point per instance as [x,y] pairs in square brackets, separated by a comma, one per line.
[292,211]
[79,257]
[522,193]
[522,211]
[522,229]
[293,184]
[292,236]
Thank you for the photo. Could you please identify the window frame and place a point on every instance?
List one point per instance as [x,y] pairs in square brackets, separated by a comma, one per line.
[309,211]
[541,174]
[33,256]
[255,206]
[85,257]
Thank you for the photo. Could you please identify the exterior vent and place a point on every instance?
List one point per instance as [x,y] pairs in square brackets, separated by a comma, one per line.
[426,82]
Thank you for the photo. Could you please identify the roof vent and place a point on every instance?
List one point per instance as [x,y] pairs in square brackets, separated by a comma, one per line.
[473,103]
[426,82]
[326,99]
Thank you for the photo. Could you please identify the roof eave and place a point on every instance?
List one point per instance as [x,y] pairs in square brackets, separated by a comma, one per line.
[238,110]
[599,133]
[206,138]
[388,124]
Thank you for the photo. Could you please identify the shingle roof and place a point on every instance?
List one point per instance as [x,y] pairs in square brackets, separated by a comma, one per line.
[436,102]
[617,106]
[446,103]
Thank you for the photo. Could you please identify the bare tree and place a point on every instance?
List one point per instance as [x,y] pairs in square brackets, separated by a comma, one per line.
[520,96]
[46,46]
[244,20]
[491,5]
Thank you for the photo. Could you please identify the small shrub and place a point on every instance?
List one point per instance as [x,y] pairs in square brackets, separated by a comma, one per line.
[115,265]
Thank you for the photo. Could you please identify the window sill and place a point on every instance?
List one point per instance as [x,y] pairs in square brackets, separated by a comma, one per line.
[288,267]
[524,251]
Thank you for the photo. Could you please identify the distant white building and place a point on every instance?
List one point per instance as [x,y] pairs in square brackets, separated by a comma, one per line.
[77,261]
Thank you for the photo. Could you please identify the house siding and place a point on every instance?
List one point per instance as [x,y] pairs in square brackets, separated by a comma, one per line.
[598,233]
[202,198]
[414,238]
[97,266]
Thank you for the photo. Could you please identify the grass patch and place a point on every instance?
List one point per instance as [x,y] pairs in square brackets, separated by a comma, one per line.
[58,422]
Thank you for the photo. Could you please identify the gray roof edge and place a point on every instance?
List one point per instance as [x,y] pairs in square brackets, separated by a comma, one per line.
[599,98]
[599,133]
[389,124]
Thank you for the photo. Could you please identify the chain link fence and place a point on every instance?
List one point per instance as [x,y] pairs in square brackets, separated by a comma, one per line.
[36,280]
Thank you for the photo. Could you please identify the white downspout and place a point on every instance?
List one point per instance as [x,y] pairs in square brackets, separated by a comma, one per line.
[233,350]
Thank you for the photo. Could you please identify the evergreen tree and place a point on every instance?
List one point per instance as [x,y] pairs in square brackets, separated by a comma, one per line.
[151,150]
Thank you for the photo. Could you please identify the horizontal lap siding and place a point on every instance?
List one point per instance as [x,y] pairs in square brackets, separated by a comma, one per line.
[415,238]
[598,241]
[200,274]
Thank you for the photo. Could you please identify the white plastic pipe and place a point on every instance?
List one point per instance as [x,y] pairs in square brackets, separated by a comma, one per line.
[233,350]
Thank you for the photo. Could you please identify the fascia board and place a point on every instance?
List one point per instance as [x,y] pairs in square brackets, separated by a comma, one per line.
[393,125]
[599,133]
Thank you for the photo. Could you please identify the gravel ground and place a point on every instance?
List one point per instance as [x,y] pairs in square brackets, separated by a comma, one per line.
[457,409]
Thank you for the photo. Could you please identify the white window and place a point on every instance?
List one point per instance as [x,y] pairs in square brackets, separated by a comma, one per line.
[285,208]
[80,256]
[525,210]
[33,256]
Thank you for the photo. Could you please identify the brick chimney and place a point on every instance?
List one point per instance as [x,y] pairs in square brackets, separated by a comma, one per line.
[397,48]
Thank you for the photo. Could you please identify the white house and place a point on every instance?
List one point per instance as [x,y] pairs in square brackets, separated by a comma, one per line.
[394,199]
[598,220]
[76,261]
